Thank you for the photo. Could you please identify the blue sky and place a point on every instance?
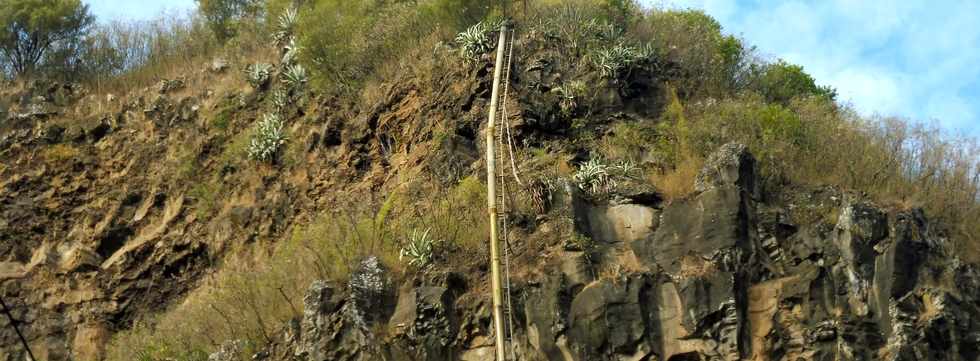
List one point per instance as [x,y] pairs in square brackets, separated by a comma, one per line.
[135,9]
[913,58]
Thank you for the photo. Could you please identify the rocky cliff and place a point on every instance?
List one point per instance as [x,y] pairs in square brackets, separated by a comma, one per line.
[724,275]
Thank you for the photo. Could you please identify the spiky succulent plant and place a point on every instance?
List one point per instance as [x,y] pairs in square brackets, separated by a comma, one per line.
[593,177]
[280,100]
[419,249]
[295,77]
[269,136]
[258,74]
[611,62]
[290,52]
[476,40]
[570,93]
[285,27]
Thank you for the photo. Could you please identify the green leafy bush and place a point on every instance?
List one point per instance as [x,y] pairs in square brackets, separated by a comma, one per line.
[31,29]
[224,16]
[781,82]
[346,42]
[707,62]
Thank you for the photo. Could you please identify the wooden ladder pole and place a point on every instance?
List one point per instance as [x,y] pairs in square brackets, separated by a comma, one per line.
[495,279]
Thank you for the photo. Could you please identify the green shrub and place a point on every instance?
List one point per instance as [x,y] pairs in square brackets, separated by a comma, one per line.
[31,29]
[710,63]
[224,16]
[343,44]
[782,82]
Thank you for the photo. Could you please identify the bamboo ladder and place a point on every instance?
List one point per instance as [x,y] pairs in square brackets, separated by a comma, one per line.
[497,131]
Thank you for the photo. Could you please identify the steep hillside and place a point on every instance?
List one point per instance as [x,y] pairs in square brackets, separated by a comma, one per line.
[661,208]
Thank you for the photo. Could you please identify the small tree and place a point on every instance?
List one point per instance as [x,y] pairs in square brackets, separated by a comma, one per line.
[30,28]
[781,82]
[223,16]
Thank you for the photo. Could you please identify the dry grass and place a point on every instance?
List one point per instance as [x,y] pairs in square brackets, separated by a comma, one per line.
[678,182]
[59,153]
[695,267]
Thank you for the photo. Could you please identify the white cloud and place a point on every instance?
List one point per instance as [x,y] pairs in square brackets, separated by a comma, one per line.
[910,58]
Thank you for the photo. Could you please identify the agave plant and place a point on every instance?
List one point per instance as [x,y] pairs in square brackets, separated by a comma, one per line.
[594,177]
[267,139]
[290,52]
[603,30]
[613,61]
[295,77]
[419,249]
[258,74]
[569,94]
[280,100]
[476,41]
[286,27]
[625,168]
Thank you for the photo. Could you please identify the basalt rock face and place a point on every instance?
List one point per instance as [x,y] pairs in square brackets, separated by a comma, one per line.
[720,275]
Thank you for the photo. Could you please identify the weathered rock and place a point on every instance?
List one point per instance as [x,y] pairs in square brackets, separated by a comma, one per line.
[608,320]
[732,165]
[89,342]
[622,223]
[423,325]
[371,292]
[169,85]
[229,351]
